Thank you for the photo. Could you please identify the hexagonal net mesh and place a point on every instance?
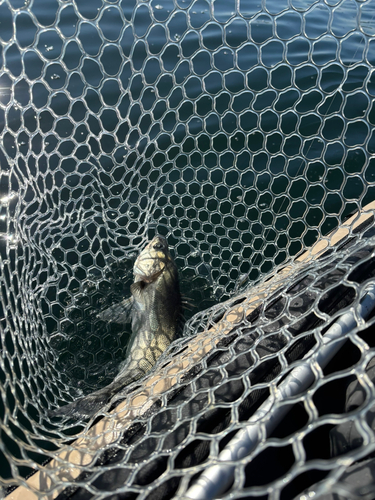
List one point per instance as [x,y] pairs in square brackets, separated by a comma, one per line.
[241,131]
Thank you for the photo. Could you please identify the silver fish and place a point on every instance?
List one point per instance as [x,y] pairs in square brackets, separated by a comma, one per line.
[155,311]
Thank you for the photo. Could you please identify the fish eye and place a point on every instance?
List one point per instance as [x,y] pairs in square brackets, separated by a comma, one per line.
[158,246]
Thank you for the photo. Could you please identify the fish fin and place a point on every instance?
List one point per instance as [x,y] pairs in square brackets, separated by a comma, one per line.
[136,290]
[85,407]
[118,313]
[186,303]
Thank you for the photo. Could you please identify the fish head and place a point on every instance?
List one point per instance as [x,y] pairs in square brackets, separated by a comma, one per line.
[152,261]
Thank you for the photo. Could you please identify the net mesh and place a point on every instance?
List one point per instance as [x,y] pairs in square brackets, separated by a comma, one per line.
[243,132]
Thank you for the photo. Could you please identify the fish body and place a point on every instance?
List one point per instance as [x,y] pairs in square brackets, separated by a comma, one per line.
[154,309]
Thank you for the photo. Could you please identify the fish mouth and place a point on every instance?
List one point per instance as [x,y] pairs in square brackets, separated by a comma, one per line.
[158,243]
[152,260]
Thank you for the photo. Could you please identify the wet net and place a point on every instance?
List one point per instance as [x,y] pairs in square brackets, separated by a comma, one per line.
[243,132]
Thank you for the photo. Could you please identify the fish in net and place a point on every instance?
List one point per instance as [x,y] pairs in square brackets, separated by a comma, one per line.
[242,133]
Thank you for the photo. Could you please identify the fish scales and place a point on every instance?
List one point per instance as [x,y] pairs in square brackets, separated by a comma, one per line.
[154,309]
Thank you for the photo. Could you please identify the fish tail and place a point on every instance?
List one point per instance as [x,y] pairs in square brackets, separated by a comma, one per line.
[89,405]
[85,407]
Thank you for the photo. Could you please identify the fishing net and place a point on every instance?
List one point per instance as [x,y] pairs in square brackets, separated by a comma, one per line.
[243,132]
